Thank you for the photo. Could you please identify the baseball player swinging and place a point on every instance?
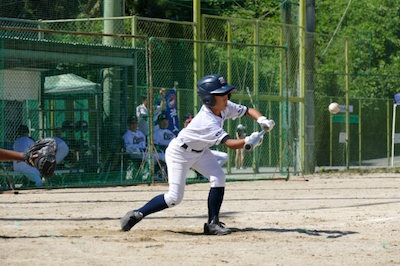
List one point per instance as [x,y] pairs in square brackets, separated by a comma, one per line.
[190,149]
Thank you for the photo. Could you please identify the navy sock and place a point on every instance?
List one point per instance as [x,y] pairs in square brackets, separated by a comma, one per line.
[154,205]
[215,198]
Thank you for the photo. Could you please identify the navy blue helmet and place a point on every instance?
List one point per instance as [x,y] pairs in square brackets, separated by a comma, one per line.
[211,85]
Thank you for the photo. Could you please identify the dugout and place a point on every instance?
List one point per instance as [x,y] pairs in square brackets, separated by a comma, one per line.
[44,82]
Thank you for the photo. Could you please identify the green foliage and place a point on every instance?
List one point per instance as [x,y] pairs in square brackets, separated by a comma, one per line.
[372,26]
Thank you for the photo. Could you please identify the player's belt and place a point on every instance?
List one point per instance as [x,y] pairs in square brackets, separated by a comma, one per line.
[186,146]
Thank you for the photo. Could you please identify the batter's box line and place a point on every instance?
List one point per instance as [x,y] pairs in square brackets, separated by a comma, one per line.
[324,233]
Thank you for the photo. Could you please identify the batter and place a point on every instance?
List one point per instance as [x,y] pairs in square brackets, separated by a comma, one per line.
[191,149]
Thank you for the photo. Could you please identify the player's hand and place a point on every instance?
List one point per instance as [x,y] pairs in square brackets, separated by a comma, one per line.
[265,123]
[254,135]
[42,156]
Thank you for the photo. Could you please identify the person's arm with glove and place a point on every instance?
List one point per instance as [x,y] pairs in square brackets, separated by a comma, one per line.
[266,124]
[42,156]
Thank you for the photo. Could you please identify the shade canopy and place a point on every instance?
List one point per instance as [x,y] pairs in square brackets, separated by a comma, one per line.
[68,85]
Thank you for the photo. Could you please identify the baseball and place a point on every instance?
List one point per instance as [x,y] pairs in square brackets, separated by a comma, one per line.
[334,108]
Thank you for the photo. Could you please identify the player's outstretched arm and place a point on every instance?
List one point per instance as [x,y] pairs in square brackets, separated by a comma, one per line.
[234,144]
[8,155]
[253,113]
[266,124]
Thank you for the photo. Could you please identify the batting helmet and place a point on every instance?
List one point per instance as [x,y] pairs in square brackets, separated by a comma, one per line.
[211,85]
[240,126]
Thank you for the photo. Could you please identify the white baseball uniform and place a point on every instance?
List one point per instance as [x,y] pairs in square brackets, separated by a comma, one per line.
[222,157]
[191,149]
[163,137]
[135,145]
[21,145]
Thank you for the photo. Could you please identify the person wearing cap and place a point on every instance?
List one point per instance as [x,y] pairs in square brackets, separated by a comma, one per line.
[162,135]
[134,139]
[135,142]
[191,149]
[21,144]
[240,134]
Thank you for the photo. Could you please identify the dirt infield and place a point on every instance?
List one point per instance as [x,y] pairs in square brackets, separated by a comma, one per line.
[329,220]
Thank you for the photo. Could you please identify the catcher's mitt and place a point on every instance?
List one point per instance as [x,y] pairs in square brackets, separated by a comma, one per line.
[42,156]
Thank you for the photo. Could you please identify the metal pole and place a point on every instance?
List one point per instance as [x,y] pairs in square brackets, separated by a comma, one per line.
[393,134]
[196,46]
[347,105]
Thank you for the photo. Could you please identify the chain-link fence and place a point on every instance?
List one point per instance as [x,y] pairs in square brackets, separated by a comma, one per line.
[89,83]
[272,155]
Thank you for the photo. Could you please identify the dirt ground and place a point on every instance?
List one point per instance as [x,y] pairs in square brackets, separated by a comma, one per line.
[331,219]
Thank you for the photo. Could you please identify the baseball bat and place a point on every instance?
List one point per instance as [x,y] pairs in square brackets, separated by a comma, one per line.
[249,146]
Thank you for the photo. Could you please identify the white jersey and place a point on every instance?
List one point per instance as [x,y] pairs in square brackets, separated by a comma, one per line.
[134,141]
[163,137]
[141,110]
[206,129]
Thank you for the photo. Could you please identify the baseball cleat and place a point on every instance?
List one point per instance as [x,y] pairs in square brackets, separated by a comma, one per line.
[130,219]
[216,228]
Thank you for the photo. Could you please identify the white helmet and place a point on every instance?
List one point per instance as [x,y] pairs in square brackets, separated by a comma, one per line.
[240,126]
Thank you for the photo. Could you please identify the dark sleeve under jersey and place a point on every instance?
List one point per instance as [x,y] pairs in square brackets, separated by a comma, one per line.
[225,139]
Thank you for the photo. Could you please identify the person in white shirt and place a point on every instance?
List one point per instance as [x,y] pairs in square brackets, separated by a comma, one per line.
[134,139]
[191,149]
[222,157]
[135,143]
[142,113]
[163,136]
[21,145]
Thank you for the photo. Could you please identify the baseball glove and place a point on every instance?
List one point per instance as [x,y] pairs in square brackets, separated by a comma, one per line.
[42,156]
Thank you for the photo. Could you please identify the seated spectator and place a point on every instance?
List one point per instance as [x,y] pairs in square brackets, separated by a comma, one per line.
[135,143]
[163,136]
[62,147]
[134,139]
[21,145]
